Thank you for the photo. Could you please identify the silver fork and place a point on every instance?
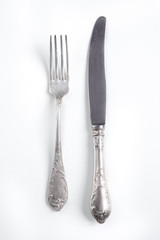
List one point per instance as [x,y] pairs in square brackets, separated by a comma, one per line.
[58,87]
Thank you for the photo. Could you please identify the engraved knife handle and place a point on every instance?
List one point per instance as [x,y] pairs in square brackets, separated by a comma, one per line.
[58,190]
[100,202]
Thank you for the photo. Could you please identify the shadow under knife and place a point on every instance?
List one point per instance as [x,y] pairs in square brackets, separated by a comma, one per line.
[89,155]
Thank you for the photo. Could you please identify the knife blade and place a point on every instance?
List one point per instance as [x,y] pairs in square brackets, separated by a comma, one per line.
[100,202]
[97,83]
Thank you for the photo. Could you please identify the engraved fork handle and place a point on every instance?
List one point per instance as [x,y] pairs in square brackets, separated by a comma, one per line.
[58,190]
[100,203]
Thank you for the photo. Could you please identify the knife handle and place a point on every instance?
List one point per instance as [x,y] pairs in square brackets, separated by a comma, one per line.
[100,202]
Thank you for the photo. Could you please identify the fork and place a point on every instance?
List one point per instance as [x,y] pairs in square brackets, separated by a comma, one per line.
[58,87]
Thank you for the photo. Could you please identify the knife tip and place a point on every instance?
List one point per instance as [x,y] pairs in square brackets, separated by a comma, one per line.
[101,18]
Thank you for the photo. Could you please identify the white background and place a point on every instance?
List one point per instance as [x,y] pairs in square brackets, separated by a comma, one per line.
[27,120]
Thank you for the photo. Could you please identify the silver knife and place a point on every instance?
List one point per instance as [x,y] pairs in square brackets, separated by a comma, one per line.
[100,202]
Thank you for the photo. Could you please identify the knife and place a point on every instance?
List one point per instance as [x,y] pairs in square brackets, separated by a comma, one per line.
[100,202]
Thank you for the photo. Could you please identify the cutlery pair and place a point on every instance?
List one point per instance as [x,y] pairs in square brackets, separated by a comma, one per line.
[58,86]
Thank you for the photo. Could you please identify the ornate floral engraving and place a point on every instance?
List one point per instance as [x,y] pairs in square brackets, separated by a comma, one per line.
[98,138]
[58,191]
[100,204]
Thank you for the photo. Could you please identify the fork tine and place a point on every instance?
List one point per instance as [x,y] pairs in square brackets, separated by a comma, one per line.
[51,58]
[67,61]
[62,70]
[56,57]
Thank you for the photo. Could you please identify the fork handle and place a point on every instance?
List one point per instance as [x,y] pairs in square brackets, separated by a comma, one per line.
[100,202]
[58,190]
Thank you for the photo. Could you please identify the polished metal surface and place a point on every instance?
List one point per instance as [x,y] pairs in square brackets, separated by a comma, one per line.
[58,87]
[97,83]
[100,202]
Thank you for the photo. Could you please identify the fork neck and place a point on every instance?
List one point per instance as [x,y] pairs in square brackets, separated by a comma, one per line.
[58,130]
